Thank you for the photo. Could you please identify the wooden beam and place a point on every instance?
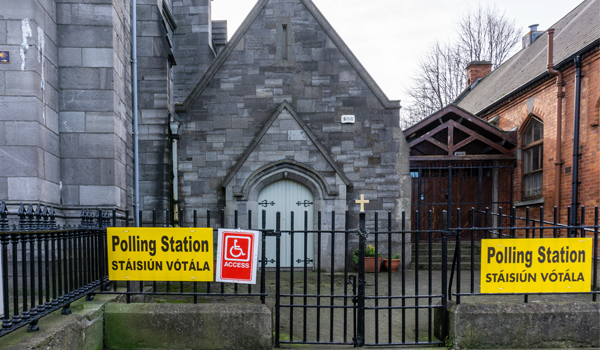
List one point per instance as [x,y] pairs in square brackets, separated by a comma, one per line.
[465,142]
[437,143]
[461,158]
[482,139]
[428,134]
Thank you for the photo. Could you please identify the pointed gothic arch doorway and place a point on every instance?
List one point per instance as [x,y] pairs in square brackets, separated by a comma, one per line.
[287,196]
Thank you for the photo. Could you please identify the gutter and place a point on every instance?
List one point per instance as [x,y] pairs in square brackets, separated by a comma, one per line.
[537,79]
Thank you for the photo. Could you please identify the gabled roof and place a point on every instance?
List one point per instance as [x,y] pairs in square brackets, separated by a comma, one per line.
[239,34]
[453,129]
[267,126]
[575,33]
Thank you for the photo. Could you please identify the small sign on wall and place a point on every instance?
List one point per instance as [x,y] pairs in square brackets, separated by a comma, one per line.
[348,119]
[4,56]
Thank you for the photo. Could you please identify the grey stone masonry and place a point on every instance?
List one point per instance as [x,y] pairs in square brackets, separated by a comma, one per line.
[288,54]
[155,74]
[94,103]
[193,47]
[29,128]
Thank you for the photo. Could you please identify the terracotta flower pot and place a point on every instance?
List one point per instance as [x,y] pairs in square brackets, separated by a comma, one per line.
[372,265]
[393,265]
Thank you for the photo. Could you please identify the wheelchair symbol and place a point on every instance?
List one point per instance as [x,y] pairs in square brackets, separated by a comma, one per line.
[236,248]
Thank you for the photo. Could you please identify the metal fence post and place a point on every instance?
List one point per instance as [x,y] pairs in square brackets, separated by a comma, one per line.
[362,242]
[445,234]
[6,322]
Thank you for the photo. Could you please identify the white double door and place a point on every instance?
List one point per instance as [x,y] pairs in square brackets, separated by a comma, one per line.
[286,197]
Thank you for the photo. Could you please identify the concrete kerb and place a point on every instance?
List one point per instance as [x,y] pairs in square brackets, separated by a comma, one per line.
[188,326]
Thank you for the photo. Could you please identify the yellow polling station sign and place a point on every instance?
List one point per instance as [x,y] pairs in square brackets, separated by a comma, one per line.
[537,265]
[160,254]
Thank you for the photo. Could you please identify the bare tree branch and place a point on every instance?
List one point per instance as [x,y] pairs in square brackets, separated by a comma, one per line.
[484,34]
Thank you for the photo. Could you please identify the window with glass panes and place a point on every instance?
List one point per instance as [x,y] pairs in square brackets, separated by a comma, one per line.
[533,155]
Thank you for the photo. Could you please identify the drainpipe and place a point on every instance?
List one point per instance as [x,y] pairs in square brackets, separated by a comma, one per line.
[136,150]
[559,96]
[576,155]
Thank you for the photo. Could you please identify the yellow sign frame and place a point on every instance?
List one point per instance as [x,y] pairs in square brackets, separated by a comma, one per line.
[160,254]
[536,265]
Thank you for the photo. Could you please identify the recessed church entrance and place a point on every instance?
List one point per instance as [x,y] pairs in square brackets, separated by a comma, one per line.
[295,202]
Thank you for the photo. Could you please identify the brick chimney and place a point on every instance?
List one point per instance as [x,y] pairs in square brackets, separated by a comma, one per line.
[477,70]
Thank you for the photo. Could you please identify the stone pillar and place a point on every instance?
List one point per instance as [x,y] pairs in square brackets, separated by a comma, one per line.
[94,53]
[29,103]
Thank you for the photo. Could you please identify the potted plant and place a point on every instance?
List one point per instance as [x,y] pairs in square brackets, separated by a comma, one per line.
[393,263]
[372,263]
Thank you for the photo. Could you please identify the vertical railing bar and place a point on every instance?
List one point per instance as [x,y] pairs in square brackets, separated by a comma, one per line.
[472,224]
[6,321]
[542,222]
[291,233]
[15,265]
[208,225]
[318,329]
[154,283]
[417,238]
[250,228]
[570,228]
[346,243]
[332,263]
[459,257]
[40,281]
[390,256]
[444,277]
[235,226]
[595,287]
[527,222]
[362,242]
[223,284]
[305,268]
[377,267]
[555,222]
[263,266]
[24,239]
[430,275]
[582,224]
[277,278]
[47,303]
[404,276]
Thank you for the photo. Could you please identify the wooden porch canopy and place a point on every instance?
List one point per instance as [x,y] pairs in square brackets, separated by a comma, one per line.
[453,134]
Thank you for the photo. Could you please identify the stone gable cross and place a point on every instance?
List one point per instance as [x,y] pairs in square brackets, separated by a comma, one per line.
[362,202]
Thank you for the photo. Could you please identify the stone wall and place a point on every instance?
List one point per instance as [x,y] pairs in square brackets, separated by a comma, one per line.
[315,76]
[29,123]
[95,103]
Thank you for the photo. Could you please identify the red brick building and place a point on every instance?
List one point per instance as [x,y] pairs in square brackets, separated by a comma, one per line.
[543,104]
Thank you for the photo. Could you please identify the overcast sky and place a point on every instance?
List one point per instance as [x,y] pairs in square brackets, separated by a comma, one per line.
[388,36]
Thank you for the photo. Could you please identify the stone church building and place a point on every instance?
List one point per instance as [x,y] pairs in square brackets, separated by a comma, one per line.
[281,117]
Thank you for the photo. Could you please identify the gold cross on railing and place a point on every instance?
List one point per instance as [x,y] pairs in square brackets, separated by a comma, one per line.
[362,202]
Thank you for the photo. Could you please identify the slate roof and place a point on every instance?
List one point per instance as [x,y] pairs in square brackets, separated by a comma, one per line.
[576,32]
[239,34]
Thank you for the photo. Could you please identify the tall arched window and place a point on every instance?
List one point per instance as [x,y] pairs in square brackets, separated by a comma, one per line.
[533,157]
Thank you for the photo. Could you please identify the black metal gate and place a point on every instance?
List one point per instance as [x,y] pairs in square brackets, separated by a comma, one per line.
[452,187]
[353,306]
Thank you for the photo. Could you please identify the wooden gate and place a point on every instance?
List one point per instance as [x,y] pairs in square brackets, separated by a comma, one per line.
[447,188]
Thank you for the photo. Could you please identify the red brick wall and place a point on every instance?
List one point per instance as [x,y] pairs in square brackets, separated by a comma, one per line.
[514,112]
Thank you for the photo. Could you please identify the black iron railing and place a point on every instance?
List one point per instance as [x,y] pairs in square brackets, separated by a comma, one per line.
[43,267]
[512,226]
